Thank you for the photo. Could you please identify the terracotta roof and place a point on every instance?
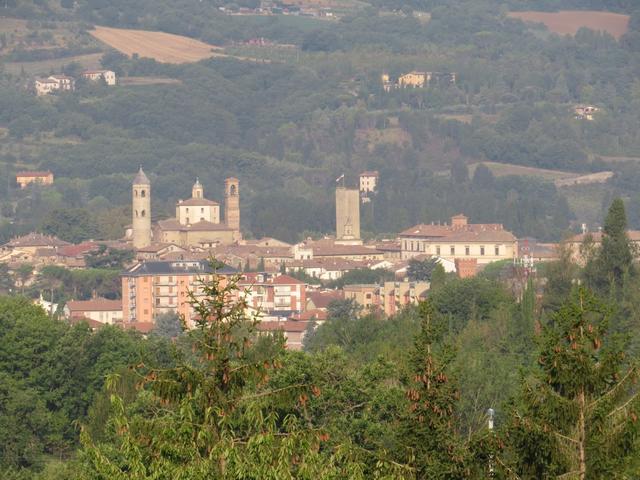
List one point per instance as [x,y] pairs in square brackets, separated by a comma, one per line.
[36,240]
[473,232]
[142,327]
[34,174]
[313,314]
[329,247]
[286,326]
[94,305]
[90,72]
[46,80]
[79,249]
[286,280]
[197,202]
[322,299]
[93,324]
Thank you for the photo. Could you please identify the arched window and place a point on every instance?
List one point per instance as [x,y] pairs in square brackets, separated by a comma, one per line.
[143,213]
[143,193]
[135,193]
[232,190]
[136,213]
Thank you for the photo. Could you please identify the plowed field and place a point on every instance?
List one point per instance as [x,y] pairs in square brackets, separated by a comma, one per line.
[567,22]
[163,47]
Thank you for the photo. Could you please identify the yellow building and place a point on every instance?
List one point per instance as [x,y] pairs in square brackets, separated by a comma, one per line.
[25,178]
[485,242]
[197,222]
[414,79]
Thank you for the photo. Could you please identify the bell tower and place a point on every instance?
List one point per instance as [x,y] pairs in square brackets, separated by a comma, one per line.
[197,191]
[141,210]
[232,203]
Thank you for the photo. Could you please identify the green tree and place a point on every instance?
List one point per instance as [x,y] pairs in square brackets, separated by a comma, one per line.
[430,425]
[212,415]
[577,416]
[616,257]
[168,325]
[421,270]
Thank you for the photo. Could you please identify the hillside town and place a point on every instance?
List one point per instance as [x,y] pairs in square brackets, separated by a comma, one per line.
[289,285]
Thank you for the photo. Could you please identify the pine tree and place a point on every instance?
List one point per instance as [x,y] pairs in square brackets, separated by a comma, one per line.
[213,414]
[430,426]
[577,416]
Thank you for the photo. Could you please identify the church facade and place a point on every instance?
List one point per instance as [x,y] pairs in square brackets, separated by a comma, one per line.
[197,222]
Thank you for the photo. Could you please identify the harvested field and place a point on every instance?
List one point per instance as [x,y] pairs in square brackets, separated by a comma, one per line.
[504,169]
[599,177]
[558,177]
[568,22]
[162,47]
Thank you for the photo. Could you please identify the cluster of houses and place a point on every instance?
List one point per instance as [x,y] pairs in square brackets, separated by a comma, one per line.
[268,7]
[286,283]
[65,83]
[415,79]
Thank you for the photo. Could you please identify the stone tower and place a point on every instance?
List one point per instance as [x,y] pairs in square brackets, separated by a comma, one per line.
[198,190]
[232,203]
[141,210]
[348,215]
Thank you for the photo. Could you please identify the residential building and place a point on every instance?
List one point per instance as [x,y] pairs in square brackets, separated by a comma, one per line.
[26,246]
[101,310]
[394,296]
[321,299]
[367,296]
[53,83]
[593,240]
[293,331]
[585,112]
[485,242]
[157,251]
[108,76]
[274,294]
[329,248]
[369,182]
[156,287]
[45,86]
[414,79]
[41,178]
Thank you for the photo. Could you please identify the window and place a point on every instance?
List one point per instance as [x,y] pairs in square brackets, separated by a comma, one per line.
[467,250]
[482,250]
[202,219]
[368,296]
[143,193]
[497,250]
[143,213]
[452,249]
[135,193]
[412,246]
[136,213]
[438,250]
[187,209]
[202,210]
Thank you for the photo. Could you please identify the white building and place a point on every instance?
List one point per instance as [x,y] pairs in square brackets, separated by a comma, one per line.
[108,76]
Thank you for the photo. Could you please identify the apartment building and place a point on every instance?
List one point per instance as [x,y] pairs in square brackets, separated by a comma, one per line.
[152,288]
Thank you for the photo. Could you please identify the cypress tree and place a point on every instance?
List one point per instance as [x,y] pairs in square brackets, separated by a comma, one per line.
[615,255]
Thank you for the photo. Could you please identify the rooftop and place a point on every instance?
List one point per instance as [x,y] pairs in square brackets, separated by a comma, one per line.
[141,178]
[177,267]
[197,202]
[94,305]
[36,240]
[34,174]
[202,226]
